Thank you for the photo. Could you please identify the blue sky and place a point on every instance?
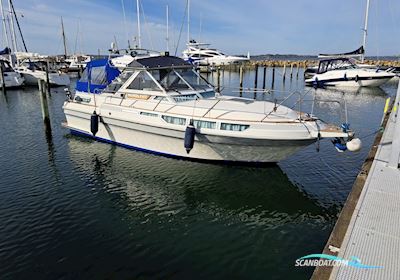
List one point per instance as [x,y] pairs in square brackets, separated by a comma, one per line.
[237,27]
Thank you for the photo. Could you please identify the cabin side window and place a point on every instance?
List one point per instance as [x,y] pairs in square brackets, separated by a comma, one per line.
[174,120]
[148,114]
[234,127]
[204,124]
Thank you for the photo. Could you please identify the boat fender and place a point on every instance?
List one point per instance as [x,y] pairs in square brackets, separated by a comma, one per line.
[339,145]
[94,123]
[354,145]
[345,76]
[189,137]
[316,82]
[356,79]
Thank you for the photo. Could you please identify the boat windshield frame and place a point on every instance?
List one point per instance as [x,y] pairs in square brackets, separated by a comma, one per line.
[202,85]
[335,64]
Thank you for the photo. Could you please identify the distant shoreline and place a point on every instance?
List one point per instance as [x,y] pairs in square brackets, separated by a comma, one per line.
[294,57]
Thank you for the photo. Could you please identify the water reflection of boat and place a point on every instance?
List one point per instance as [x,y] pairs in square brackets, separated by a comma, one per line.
[165,186]
[374,91]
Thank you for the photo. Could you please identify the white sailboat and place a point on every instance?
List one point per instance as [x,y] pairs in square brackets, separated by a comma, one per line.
[161,105]
[12,79]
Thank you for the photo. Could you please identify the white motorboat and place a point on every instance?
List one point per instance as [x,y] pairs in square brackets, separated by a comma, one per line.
[77,62]
[33,71]
[161,105]
[200,54]
[343,72]
[12,79]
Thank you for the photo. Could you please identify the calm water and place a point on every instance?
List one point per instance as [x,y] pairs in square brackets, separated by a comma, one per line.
[73,208]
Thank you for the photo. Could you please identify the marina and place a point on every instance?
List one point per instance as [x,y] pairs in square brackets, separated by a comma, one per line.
[165,157]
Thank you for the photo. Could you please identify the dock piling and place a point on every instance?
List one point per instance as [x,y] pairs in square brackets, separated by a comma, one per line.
[291,71]
[43,102]
[297,71]
[273,76]
[218,79]
[255,79]
[264,76]
[3,82]
[47,78]
[284,72]
[241,80]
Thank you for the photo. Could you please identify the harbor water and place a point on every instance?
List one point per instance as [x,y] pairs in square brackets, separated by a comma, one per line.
[75,208]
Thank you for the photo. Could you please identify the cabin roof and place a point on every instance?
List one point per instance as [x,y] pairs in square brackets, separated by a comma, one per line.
[157,62]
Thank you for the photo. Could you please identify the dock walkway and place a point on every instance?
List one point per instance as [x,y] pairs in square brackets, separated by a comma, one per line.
[371,232]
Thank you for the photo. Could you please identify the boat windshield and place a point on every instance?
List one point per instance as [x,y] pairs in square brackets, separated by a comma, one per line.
[335,64]
[180,79]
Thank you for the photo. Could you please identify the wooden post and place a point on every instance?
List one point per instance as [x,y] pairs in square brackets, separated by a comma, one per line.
[297,70]
[273,76]
[284,72]
[265,76]
[3,82]
[218,79]
[291,70]
[47,78]
[43,101]
[256,76]
[241,79]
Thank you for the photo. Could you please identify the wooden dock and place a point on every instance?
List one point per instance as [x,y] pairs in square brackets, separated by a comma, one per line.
[368,227]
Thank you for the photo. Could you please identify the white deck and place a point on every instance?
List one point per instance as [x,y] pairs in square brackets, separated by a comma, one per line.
[373,234]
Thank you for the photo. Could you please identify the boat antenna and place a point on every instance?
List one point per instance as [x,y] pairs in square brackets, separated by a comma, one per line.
[181,29]
[4,23]
[201,25]
[12,29]
[19,27]
[64,39]
[138,23]
[125,25]
[365,30]
[188,21]
[167,39]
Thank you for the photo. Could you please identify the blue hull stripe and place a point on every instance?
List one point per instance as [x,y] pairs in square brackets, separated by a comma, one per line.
[226,162]
[323,82]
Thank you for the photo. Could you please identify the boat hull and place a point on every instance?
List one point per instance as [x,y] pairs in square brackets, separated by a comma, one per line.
[354,78]
[168,142]
[55,79]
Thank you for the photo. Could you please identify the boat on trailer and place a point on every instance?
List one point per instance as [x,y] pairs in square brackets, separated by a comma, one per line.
[162,106]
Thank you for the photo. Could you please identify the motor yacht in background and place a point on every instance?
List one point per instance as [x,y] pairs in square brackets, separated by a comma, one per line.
[77,62]
[201,55]
[161,105]
[344,72]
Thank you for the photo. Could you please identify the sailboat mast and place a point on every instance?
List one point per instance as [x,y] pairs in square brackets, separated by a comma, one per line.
[13,36]
[4,23]
[138,23]
[167,28]
[188,21]
[365,30]
[64,39]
